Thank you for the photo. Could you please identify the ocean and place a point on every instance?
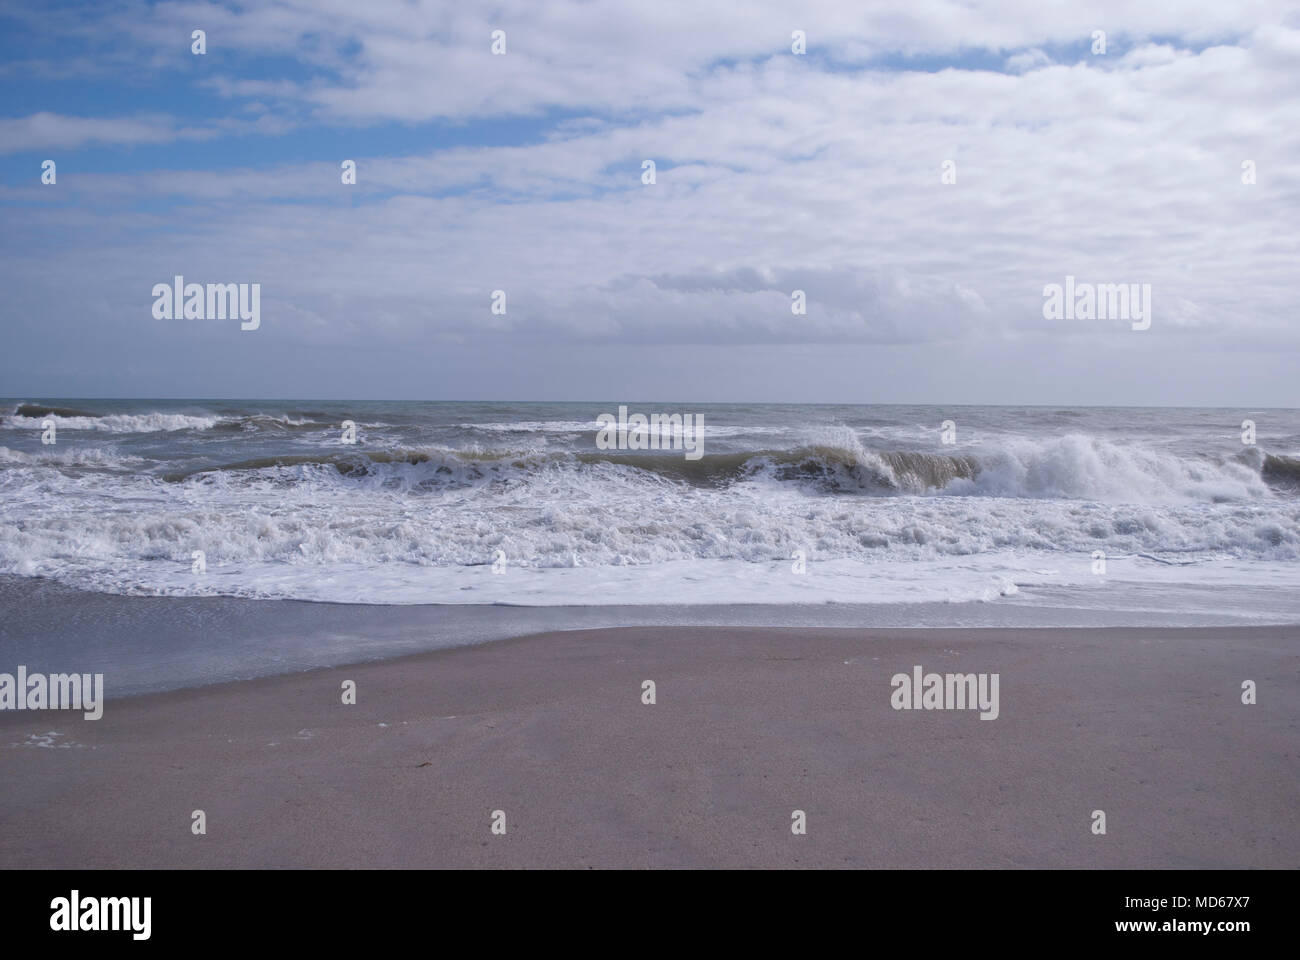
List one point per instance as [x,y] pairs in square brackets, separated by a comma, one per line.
[1165,511]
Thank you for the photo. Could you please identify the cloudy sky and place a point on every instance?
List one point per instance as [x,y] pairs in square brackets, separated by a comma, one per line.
[775,171]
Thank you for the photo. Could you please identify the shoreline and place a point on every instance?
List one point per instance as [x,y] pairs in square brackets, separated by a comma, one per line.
[749,724]
[146,644]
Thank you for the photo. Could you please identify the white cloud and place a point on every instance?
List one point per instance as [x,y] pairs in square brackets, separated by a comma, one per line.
[1034,59]
[775,173]
[51,131]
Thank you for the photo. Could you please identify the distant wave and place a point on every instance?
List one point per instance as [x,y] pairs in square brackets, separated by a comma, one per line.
[291,422]
[31,416]
[67,419]
[535,426]
[298,445]
[39,410]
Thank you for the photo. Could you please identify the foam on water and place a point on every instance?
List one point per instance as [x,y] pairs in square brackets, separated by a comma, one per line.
[143,423]
[420,509]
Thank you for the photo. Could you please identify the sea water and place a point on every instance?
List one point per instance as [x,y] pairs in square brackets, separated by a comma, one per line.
[1162,510]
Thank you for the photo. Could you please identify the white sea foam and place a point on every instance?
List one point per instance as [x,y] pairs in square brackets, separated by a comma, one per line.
[536,426]
[280,529]
[418,512]
[117,422]
[71,457]
[569,427]
[1081,467]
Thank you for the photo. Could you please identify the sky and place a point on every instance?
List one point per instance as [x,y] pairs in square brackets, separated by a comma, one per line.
[922,172]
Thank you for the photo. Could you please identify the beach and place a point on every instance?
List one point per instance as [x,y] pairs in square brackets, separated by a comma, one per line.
[839,637]
[852,436]
[749,724]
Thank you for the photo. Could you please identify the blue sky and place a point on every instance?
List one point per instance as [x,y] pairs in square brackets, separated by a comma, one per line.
[775,172]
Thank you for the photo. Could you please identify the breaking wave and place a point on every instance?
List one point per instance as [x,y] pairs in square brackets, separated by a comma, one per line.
[1073,468]
[114,422]
[427,496]
[31,416]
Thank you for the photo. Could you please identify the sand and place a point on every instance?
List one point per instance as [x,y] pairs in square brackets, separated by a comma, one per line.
[750,724]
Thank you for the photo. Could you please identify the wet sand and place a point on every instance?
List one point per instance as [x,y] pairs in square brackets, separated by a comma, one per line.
[750,724]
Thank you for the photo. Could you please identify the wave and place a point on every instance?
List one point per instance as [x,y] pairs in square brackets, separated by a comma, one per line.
[114,422]
[31,416]
[1080,467]
[829,469]
[263,422]
[75,459]
[318,521]
[590,427]
[118,530]
[381,464]
[40,410]
[1070,468]
[830,460]
[536,426]
[1281,472]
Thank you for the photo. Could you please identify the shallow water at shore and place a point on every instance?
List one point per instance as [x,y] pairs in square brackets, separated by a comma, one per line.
[148,644]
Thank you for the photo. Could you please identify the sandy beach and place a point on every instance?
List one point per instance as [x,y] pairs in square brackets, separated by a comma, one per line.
[749,724]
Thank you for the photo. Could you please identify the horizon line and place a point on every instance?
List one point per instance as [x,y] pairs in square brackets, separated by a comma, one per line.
[678,402]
